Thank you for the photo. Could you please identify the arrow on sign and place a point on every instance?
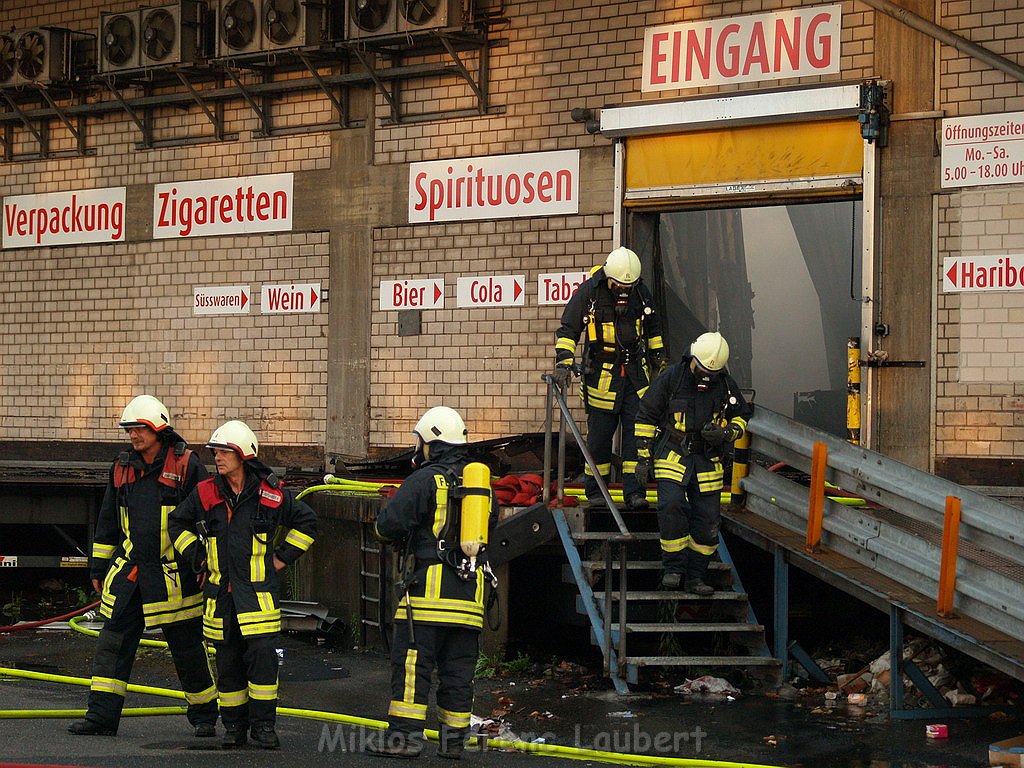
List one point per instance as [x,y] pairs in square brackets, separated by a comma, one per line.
[517,290]
[245,299]
[312,296]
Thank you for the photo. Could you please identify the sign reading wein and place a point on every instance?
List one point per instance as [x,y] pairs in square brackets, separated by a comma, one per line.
[742,49]
[983,273]
[289,298]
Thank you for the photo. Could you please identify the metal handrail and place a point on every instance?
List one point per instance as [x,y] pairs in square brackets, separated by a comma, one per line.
[901,536]
[611,654]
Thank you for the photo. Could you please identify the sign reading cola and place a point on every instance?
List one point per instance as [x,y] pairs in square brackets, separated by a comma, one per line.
[742,49]
[495,187]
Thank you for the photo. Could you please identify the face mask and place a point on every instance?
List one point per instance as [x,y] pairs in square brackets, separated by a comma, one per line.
[420,456]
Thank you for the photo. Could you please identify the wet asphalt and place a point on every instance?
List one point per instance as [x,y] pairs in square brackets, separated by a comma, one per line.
[573,708]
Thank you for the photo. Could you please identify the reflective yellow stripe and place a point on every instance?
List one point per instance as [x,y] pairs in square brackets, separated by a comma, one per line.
[166,548]
[567,344]
[202,697]
[462,618]
[298,539]
[266,602]
[103,551]
[440,504]
[233,698]
[109,685]
[604,469]
[407,710]
[262,692]
[704,549]
[409,689]
[432,589]
[257,563]
[453,719]
[675,545]
[644,430]
[608,333]
[629,467]
[212,561]
[184,541]
[127,544]
[655,342]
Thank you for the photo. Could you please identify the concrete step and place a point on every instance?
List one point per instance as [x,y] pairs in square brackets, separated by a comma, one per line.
[664,594]
[696,626]
[702,661]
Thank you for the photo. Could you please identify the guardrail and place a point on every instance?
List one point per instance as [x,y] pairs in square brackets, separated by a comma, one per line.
[901,533]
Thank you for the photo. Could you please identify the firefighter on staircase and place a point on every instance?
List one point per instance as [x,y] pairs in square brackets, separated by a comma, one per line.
[698,409]
[442,513]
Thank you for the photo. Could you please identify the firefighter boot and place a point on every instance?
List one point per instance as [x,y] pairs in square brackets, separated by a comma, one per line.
[451,742]
[89,728]
[265,736]
[394,743]
[235,735]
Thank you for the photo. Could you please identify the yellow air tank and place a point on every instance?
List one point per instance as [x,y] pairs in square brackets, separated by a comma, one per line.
[476,510]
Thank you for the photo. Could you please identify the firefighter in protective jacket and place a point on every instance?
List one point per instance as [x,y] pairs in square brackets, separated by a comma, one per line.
[143,584]
[699,410]
[443,631]
[622,352]
[240,528]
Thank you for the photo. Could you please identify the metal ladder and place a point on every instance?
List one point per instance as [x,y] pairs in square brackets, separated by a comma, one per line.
[372,585]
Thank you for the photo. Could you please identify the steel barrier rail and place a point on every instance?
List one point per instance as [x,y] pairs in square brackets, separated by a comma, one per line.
[985,522]
[985,594]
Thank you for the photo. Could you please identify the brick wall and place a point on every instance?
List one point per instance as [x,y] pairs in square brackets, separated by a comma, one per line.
[980,336]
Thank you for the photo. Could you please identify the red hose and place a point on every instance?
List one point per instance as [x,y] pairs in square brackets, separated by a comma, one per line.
[34,624]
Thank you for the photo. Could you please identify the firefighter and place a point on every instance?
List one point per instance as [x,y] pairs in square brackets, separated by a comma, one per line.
[239,529]
[699,411]
[443,631]
[142,582]
[622,352]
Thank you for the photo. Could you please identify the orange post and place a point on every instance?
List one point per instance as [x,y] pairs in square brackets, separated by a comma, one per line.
[950,552]
[816,507]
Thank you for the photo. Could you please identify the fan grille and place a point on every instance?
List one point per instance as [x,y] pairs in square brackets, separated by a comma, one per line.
[370,15]
[118,40]
[281,20]
[158,34]
[31,55]
[419,11]
[239,24]
[8,58]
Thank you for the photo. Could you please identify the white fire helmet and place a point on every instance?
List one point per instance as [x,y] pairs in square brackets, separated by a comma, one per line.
[441,424]
[235,436]
[622,266]
[711,350]
[145,411]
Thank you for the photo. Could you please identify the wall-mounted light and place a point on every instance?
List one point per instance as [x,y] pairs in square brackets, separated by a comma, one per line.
[586,116]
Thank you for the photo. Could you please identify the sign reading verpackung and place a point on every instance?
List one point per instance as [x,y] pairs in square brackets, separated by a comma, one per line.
[495,187]
[239,205]
[742,49]
[64,218]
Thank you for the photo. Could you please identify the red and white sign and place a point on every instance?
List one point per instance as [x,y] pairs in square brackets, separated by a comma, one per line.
[239,205]
[491,291]
[987,149]
[412,294]
[221,300]
[64,218]
[983,273]
[558,287]
[742,49]
[289,298]
[495,187]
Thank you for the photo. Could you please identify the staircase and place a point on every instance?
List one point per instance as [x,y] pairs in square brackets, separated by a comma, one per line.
[694,635]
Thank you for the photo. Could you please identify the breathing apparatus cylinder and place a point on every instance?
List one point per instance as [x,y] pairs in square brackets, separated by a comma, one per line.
[476,511]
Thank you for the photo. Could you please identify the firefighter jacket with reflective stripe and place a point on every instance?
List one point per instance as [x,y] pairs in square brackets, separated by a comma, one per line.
[620,344]
[418,514]
[133,547]
[678,405]
[241,536]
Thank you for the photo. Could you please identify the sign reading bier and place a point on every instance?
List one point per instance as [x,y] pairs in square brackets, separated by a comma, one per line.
[495,187]
[239,205]
[742,49]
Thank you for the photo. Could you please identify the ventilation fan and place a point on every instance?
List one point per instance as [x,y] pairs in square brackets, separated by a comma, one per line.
[238,27]
[428,14]
[8,59]
[42,56]
[159,33]
[281,19]
[372,17]
[118,43]
[31,55]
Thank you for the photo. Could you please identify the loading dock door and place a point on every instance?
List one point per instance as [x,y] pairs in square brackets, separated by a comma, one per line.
[756,231]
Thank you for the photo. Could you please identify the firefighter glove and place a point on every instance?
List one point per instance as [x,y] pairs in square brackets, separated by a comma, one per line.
[713,434]
[733,433]
[561,374]
[643,471]
[658,362]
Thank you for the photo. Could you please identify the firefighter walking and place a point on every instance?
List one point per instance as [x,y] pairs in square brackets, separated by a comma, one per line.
[142,582]
[698,410]
[622,352]
[240,528]
[443,587]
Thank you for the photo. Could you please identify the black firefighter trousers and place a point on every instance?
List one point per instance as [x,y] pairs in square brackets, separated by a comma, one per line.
[115,655]
[247,670]
[453,650]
